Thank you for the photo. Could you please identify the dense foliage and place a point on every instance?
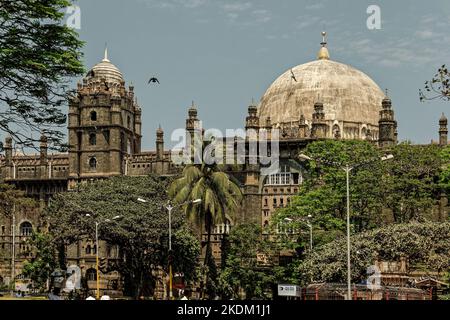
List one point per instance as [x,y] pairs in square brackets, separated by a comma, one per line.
[141,233]
[39,55]
[425,245]
[399,190]
[248,266]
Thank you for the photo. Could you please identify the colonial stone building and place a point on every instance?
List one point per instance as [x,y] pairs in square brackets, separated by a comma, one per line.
[322,99]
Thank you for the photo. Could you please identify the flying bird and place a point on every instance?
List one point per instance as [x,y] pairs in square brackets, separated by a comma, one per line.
[153,80]
[91,74]
[293,76]
[106,86]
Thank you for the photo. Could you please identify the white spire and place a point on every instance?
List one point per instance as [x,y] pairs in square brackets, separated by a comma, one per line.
[105,59]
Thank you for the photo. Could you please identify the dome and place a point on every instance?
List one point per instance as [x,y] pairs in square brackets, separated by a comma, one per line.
[105,69]
[348,95]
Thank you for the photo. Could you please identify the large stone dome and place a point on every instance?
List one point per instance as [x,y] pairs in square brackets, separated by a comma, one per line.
[350,98]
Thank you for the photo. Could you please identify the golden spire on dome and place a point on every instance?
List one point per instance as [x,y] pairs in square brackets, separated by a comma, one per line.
[323,52]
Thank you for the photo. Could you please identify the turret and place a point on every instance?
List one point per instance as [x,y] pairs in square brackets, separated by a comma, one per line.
[8,151]
[319,126]
[387,124]
[443,131]
[159,143]
[252,120]
[302,127]
[43,150]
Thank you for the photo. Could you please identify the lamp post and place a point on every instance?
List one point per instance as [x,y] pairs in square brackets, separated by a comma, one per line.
[347,168]
[97,223]
[169,208]
[13,250]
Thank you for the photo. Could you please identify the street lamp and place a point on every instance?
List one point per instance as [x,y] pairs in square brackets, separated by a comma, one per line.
[97,223]
[309,224]
[347,168]
[169,208]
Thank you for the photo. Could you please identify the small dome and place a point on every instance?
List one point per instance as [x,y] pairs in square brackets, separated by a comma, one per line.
[107,70]
[443,118]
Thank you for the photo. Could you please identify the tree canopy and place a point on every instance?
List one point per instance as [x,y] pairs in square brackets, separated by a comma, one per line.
[246,267]
[39,55]
[425,245]
[141,233]
[399,190]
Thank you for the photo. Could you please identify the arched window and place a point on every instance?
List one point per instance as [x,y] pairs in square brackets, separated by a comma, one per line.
[93,116]
[91,274]
[92,139]
[94,249]
[93,163]
[88,249]
[129,122]
[26,229]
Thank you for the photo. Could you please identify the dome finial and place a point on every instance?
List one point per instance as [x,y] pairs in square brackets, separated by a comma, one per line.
[105,59]
[323,52]
[324,39]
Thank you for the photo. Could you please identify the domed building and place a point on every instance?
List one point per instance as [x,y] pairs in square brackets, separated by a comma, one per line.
[322,99]
[351,100]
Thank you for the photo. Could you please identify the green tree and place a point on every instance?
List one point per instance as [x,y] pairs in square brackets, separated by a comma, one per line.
[44,260]
[243,270]
[411,181]
[141,233]
[220,197]
[39,55]
[408,185]
[323,193]
[424,244]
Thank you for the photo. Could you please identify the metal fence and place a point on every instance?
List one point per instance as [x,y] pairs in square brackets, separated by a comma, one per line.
[329,291]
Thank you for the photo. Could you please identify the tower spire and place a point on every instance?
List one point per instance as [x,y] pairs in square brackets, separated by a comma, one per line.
[105,59]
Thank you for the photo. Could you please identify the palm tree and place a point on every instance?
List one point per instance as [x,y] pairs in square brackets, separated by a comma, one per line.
[219,192]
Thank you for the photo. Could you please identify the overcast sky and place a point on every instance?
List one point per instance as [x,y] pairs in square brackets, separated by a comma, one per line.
[221,54]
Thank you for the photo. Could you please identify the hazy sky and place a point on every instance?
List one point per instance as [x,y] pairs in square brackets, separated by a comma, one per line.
[221,54]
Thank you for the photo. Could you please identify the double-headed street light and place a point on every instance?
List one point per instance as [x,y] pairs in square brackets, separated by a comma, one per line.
[169,208]
[97,223]
[347,168]
[309,224]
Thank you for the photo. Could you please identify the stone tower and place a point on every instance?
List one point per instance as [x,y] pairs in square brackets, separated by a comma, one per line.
[387,124]
[252,199]
[194,135]
[319,126]
[104,124]
[159,143]
[443,131]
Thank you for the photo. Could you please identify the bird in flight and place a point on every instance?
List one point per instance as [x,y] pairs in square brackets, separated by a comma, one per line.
[293,76]
[106,86]
[91,74]
[153,80]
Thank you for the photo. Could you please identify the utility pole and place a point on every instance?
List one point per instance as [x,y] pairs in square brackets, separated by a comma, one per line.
[349,278]
[96,260]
